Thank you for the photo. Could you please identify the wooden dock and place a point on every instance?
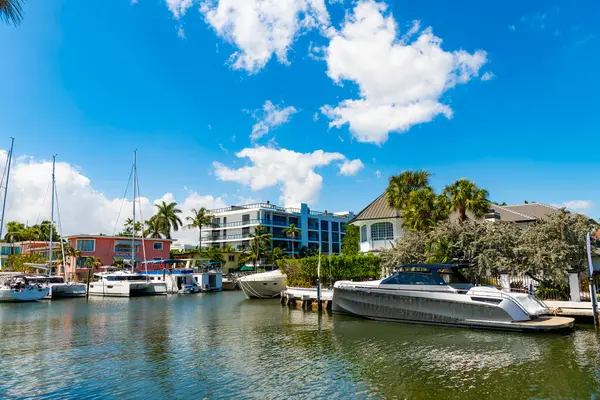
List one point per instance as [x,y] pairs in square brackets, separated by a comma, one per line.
[307,298]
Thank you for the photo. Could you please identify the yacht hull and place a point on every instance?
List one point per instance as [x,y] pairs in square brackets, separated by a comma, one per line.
[264,285]
[448,309]
[66,290]
[22,295]
[230,284]
[127,289]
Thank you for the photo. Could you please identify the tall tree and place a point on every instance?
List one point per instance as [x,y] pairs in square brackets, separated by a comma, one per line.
[400,186]
[15,232]
[260,243]
[424,209]
[154,228]
[465,196]
[167,215]
[292,232]
[351,240]
[197,220]
[11,11]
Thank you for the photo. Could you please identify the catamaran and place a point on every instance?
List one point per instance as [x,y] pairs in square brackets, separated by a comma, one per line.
[120,282]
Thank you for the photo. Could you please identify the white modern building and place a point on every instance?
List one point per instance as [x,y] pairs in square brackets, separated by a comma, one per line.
[233,225]
[182,247]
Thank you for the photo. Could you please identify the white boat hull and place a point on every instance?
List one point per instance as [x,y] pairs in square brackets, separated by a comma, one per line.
[127,288]
[22,295]
[264,285]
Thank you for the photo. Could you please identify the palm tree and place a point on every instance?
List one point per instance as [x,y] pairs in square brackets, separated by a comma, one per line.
[15,232]
[276,254]
[291,232]
[198,219]
[167,215]
[400,186]
[424,209]
[154,228]
[129,227]
[11,11]
[465,196]
[260,241]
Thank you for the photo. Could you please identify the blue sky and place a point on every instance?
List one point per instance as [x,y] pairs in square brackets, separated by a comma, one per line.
[91,82]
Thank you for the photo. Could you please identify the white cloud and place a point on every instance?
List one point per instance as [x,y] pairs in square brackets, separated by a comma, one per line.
[487,76]
[378,174]
[578,204]
[82,208]
[512,28]
[262,28]
[179,7]
[293,172]
[351,167]
[181,32]
[270,117]
[401,80]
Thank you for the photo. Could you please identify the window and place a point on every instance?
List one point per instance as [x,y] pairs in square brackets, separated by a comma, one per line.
[335,226]
[324,225]
[363,233]
[126,248]
[414,278]
[157,258]
[335,237]
[231,258]
[81,262]
[158,246]
[6,250]
[88,245]
[382,231]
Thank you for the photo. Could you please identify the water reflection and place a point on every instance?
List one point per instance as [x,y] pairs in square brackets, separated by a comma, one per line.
[223,346]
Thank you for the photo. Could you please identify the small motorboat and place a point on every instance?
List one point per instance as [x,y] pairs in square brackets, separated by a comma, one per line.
[417,293]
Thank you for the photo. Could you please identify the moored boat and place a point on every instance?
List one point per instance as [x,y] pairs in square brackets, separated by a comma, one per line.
[125,284]
[263,285]
[230,283]
[417,293]
[15,287]
[57,286]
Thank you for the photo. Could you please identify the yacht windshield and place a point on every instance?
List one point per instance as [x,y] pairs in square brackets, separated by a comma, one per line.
[126,278]
[430,277]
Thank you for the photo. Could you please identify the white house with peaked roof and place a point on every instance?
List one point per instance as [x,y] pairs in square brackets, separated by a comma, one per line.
[379,225]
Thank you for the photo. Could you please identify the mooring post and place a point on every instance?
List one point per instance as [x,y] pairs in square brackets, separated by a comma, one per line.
[87,290]
[592,283]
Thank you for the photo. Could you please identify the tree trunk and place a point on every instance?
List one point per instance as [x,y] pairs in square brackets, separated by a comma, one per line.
[200,238]
[292,247]
[462,214]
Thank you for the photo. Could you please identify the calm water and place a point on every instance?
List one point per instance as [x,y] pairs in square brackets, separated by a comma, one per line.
[223,346]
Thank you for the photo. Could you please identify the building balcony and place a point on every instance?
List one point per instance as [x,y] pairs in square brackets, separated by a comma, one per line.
[250,222]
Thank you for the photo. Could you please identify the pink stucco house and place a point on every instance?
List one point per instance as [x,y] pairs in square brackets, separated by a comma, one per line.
[109,248]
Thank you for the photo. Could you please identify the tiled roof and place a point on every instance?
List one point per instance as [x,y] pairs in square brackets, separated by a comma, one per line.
[524,212]
[378,209]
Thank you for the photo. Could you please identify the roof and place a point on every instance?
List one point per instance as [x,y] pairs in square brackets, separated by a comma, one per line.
[524,212]
[86,236]
[378,209]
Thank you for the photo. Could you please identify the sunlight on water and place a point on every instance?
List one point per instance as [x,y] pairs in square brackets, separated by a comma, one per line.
[223,346]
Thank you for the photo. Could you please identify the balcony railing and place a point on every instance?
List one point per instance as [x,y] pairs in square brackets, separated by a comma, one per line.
[241,236]
[253,207]
[262,221]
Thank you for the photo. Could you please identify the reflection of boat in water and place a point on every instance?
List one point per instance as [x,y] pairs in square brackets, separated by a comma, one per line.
[15,287]
[263,285]
[230,283]
[125,284]
[417,293]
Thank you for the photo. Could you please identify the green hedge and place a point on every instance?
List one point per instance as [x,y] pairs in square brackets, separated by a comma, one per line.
[303,272]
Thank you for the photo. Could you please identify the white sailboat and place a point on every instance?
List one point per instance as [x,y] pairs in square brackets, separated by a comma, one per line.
[123,283]
[14,286]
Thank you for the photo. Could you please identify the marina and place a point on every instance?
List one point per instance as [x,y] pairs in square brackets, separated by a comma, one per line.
[220,345]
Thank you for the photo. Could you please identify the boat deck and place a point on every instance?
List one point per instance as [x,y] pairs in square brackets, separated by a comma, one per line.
[545,323]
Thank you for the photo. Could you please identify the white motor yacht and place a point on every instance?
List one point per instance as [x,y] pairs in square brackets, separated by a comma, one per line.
[263,285]
[15,287]
[58,287]
[229,283]
[125,284]
[417,293]
[177,281]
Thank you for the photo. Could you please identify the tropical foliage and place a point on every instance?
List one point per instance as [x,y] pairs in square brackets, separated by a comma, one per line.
[547,249]
[16,262]
[422,208]
[260,245]
[303,272]
[11,11]
[292,232]
[167,218]
[128,228]
[18,232]
[197,220]
[154,228]
[351,240]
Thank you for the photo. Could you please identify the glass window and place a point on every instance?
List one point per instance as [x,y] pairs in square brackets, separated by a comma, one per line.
[5,250]
[324,225]
[81,262]
[231,258]
[343,227]
[363,233]
[414,278]
[88,245]
[335,226]
[158,245]
[335,237]
[336,248]
[382,231]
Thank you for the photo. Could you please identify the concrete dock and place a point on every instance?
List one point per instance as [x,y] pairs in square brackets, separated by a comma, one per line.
[570,308]
[307,298]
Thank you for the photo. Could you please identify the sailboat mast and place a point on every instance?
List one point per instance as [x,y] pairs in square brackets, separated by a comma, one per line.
[10,153]
[134,196]
[51,217]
